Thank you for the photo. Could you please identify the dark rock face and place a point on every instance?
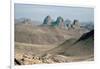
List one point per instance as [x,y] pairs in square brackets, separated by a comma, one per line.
[67,24]
[47,20]
[59,22]
[76,24]
[87,35]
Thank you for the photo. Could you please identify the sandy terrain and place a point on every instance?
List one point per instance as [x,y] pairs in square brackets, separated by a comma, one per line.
[38,45]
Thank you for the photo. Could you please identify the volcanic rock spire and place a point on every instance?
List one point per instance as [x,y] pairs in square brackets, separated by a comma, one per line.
[47,20]
[67,24]
[76,24]
[59,22]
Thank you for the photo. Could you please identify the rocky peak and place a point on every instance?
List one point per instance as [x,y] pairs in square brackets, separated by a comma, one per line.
[26,21]
[47,20]
[60,22]
[67,23]
[76,24]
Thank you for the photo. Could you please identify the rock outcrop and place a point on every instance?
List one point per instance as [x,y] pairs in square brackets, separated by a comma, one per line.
[76,24]
[67,24]
[59,22]
[47,20]
[48,58]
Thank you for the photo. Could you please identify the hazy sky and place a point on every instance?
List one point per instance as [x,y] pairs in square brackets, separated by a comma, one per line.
[39,12]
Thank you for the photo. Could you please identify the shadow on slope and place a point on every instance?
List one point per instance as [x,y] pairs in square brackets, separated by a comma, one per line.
[84,46]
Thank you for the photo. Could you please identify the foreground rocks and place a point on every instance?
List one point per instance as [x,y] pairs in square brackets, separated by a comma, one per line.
[48,58]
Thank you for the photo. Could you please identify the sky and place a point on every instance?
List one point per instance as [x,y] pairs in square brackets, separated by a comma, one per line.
[39,12]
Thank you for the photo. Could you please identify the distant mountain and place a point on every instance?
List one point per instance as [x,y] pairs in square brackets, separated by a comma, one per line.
[61,23]
[88,25]
[26,21]
[47,20]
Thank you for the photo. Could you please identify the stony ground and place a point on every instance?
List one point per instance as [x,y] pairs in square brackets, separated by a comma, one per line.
[40,45]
